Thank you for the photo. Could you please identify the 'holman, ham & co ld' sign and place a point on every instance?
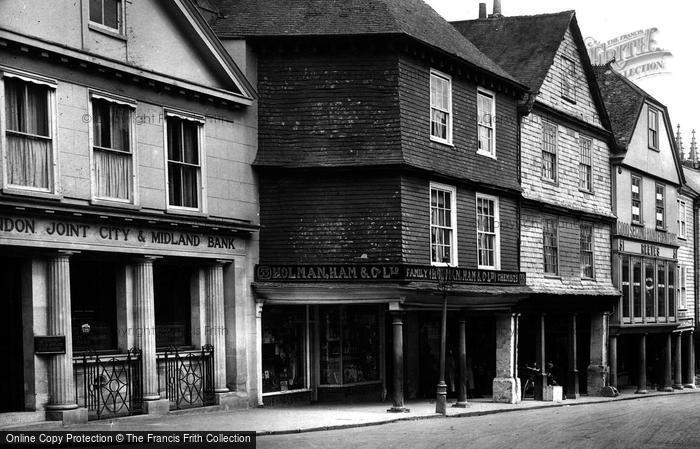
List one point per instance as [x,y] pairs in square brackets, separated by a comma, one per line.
[395,273]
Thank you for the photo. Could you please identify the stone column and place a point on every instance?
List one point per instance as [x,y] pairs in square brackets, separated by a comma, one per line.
[572,385]
[504,384]
[145,332]
[678,363]
[642,365]
[540,358]
[689,381]
[598,368]
[258,352]
[397,324]
[62,405]
[668,382]
[462,384]
[613,360]
[215,328]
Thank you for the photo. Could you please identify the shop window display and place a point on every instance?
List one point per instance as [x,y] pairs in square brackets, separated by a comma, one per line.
[349,345]
[284,348]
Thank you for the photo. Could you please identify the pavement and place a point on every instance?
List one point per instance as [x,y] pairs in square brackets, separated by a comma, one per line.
[320,417]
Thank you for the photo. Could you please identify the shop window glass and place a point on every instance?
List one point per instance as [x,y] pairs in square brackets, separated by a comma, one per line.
[637,287]
[93,305]
[661,290]
[172,303]
[284,348]
[349,344]
[625,286]
[672,289]
[649,284]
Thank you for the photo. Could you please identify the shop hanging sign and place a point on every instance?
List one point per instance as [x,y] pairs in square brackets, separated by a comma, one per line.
[396,273]
[64,234]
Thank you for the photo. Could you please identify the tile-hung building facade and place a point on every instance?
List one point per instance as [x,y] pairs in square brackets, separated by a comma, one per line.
[567,215]
[650,329]
[127,210]
[382,165]
[688,204]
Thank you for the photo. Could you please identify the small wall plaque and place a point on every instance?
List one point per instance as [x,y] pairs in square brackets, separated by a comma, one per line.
[48,345]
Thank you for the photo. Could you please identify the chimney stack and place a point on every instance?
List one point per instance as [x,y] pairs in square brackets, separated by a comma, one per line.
[482,10]
[694,151]
[496,9]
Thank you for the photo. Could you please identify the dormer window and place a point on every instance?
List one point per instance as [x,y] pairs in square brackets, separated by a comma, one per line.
[107,14]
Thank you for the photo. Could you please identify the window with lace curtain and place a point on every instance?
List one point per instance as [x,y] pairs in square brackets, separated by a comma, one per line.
[184,162]
[28,135]
[112,150]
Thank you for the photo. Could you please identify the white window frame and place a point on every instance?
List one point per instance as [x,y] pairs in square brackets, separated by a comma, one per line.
[682,219]
[555,168]
[487,93]
[582,157]
[131,104]
[53,190]
[453,218]
[544,253]
[592,227]
[120,30]
[448,111]
[201,121]
[652,110]
[641,199]
[570,78]
[496,229]
[664,224]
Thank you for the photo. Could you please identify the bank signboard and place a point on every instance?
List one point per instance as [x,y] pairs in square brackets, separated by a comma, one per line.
[115,237]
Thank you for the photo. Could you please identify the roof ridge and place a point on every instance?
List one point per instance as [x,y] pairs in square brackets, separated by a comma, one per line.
[522,16]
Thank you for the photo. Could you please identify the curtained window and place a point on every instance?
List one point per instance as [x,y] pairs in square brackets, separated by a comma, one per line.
[440,107]
[112,150]
[184,166]
[486,112]
[28,135]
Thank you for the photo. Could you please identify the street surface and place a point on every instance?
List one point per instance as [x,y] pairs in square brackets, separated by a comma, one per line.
[660,422]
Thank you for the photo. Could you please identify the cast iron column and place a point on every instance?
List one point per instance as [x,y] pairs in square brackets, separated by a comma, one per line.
[397,324]
[441,397]
[61,383]
[668,382]
[613,361]
[678,363]
[690,362]
[572,387]
[642,367]
[540,355]
[462,385]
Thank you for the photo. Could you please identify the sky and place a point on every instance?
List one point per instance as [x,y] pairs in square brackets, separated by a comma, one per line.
[678,24]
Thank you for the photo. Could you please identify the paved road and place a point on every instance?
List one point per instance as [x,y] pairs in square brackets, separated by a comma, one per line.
[662,422]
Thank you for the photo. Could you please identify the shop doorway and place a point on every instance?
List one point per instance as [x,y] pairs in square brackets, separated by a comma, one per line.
[12,386]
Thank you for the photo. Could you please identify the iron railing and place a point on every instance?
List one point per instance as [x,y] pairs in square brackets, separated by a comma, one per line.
[109,386]
[187,378]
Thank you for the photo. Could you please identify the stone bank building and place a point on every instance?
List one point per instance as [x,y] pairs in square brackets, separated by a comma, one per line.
[388,159]
[128,211]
